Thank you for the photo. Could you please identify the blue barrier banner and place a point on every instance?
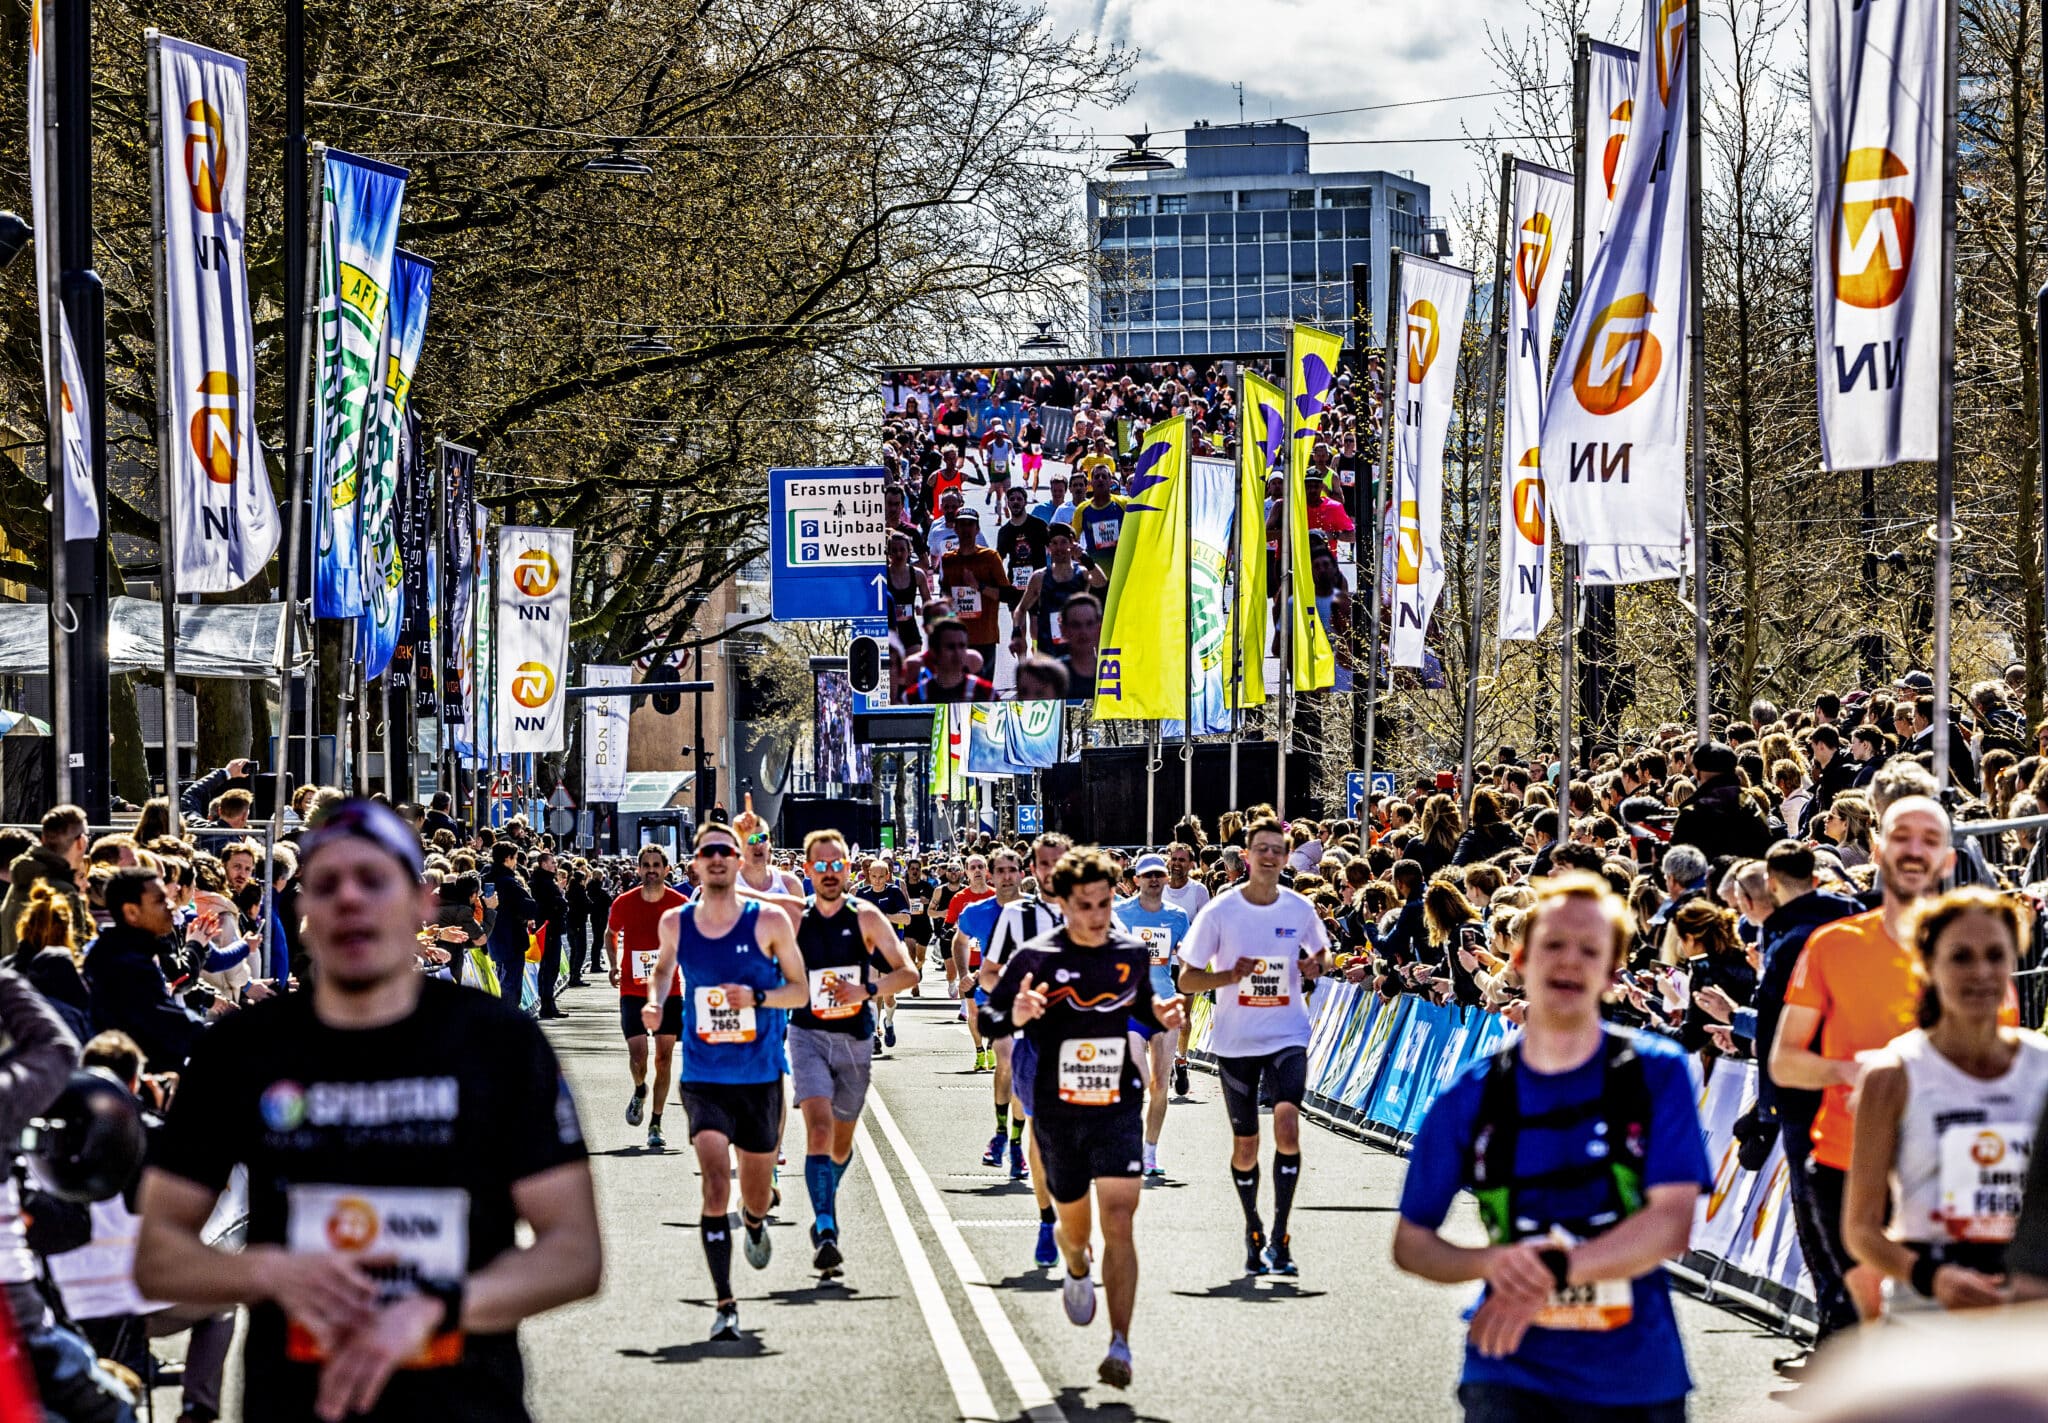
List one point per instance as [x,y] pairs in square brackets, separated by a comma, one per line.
[1330,1028]
[1409,1067]
[1446,1053]
[1377,1024]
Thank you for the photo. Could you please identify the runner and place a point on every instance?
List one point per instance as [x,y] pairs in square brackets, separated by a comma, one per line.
[1163,927]
[378,1097]
[1259,944]
[1072,993]
[1945,1116]
[831,1037]
[918,936]
[757,869]
[632,942]
[738,958]
[894,906]
[978,923]
[1576,1319]
[966,955]
[1190,894]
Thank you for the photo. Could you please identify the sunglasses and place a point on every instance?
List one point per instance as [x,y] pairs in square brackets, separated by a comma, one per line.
[830,867]
[759,837]
[717,852]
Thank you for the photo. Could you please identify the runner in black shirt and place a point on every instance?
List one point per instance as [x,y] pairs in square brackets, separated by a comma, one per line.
[1073,993]
[396,1128]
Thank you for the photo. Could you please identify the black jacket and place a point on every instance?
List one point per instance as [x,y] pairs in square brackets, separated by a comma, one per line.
[1785,934]
[1837,776]
[1721,820]
[516,908]
[551,906]
[1483,842]
[128,992]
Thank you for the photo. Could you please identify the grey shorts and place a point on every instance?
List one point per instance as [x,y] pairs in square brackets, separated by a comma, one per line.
[835,1065]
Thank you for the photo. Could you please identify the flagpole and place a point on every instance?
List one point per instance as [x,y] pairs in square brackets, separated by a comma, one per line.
[1286,618]
[1494,336]
[301,455]
[1152,764]
[49,272]
[1235,575]
[1945,459]
[437,615]
[1187,593]
[166,484]
[1582,83]
[1390,405]
[1696,339]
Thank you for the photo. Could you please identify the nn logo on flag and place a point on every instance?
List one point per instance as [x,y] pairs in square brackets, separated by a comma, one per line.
[1425,333]
[533,685]
[216,429]
[535,573]
[1874,229]
[1529,510]
[1621,357]
[1532,256]
[1674,17]
[1408,544]
[1620,121]
[206,155]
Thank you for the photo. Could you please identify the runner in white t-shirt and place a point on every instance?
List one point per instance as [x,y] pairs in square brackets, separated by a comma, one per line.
[1255,946]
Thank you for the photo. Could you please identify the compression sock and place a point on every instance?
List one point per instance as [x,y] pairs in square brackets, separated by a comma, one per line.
[1046,1216]
[1002,1118]
[839,1170]
[822,1182]
[1286,1176]
[1017,1127]
[1247,1183]
[717,1233]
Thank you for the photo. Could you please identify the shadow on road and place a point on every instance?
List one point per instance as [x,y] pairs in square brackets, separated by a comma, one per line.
[1353,1210]
[747,1346]
[1037,1282]
[823,1292]
[1074,1402]
[1248,1287]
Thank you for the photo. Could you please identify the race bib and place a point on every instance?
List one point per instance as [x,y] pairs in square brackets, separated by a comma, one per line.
[400,1236]
[643,963]
[1594,1308]
[1983,1168]
[1106,532]
[967,601]
[823,1005]
[719,1021]
[917,906]
[1020,576]
[1158,945]
[1092,1071]
[1053,621]
[1266,985]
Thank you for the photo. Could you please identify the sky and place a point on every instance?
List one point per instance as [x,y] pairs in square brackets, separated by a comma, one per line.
[1329,55]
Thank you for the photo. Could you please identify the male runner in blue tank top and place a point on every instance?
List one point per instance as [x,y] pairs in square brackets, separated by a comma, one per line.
[739,962]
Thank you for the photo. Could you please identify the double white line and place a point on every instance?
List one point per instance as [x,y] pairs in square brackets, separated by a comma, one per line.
[970,1390]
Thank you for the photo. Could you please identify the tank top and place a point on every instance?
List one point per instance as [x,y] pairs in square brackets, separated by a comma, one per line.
[903,612]
[1053,595]
[722,1043]
[833,949]
[1964,1143]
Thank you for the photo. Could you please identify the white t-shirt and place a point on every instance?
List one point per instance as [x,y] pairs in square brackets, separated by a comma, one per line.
[1262,1012]
[1192,897]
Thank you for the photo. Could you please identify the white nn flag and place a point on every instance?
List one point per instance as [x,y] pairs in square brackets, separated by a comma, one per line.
[1432,304]
[531,628]
[1540,227]
[1610,115]
[1615,420]
[225,517]
[63,377]
[1877,84]
[605,724]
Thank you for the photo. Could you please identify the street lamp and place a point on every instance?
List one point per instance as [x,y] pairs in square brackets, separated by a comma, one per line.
[648,343]
[1139,157]
[618,163]
[13,237]
[1043,343]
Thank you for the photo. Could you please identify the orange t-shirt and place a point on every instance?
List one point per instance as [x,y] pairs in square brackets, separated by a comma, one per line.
[1861,981]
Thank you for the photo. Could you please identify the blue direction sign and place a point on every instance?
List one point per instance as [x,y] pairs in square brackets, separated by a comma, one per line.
[1354,789]
[1030,819]
[826,544]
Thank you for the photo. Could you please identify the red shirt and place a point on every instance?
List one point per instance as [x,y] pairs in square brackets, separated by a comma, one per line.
[640,922]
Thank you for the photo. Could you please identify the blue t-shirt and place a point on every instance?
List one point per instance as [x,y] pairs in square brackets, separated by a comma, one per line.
[1168,921]
[978,922]
[1643,1361]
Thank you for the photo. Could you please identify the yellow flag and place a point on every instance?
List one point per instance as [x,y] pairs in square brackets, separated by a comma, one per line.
[1141,670]
[1311,384]
[1261,431]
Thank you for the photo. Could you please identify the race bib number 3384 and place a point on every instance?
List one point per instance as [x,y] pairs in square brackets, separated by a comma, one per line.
[1092,1071]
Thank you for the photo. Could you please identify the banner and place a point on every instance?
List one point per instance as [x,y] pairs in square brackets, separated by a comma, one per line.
[225,523]
[1540,228]
[1212,497]
[1031,733]
[382,556]
[949,751]
[458,559]
[1261,434]
[606,724]
[359,204]
[1141,671]
[1877,84]
[1433,301]
[1312,380]
[64,382]
[535,571]
[1614,427]
[988,748]
[482,730]
[419,557]
[1602,565]
[1610,107]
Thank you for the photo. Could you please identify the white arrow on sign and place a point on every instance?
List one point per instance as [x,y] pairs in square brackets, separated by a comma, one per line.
[881,582]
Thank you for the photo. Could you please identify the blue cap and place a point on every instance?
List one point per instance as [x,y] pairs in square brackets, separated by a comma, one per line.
[1151,863]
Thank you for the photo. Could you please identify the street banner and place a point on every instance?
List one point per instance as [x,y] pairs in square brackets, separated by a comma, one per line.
[1615,418]
[1540,228]
[1312,381]
[458,561]
[1610,109]
[606,724]
[382,555]
[419,555]
[1433,302]
[1212,499]
[1141,671]
[1604,565]
[1031,736]
[988,747]
[1878,77]
[949,751]
[359,204]
[1263,432]
[225,521]
[477,690]
[63,378]
[535,568]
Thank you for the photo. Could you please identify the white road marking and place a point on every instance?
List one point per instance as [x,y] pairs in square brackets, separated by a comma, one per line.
[970,1390]
[1036,1399]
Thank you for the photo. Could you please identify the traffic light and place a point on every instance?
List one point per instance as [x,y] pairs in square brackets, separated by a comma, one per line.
[667,703]
[864,664]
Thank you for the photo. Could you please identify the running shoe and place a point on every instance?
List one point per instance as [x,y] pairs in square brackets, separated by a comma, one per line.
[1116,1364]
[1018,1170]
[825,1257]
[994,1155]
[636,1105]
[889,1032]
[655,1140]
[878,1043]
[1077,1293]
[1279,1259]
[1180,1077]
[725,1329]
[1254,1252]
[1047,1254]
[1155,1172]
[759,1248]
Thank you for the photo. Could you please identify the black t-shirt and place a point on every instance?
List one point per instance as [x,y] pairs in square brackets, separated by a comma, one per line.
[919,892]
[452,1105]
[1091,994]
[832,945]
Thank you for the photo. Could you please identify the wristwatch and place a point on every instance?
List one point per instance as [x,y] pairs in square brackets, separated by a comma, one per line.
[1558,1261]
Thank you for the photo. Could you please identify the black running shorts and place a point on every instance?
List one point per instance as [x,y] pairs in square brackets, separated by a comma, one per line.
[746,1114]
[1076,1151]
[1283,1073]
[633,1026]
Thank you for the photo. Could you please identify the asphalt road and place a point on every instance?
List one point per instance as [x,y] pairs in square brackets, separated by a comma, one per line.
[941,1313]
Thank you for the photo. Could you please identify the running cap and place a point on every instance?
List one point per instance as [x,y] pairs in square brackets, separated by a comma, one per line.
[360,819]
[1150,863]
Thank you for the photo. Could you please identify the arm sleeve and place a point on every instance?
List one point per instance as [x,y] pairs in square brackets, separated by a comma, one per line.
[35,1068]
[201,792]
[1198,950]
[1809,986]
[1744,1023]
